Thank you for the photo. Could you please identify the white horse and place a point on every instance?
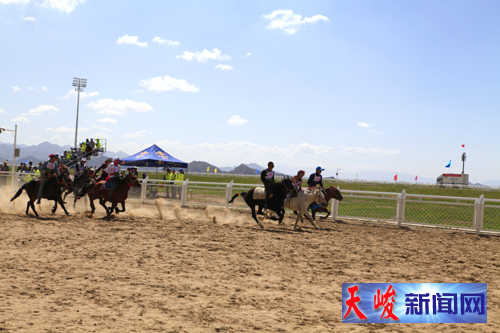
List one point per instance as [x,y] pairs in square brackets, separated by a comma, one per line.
[301,202]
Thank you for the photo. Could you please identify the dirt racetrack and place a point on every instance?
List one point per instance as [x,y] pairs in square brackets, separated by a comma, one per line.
[181,271]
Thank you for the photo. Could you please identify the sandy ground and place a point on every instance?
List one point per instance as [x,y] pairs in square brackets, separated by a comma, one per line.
[178,270]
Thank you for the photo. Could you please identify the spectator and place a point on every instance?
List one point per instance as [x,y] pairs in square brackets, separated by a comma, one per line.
[3,177]
[180,177]
[173,176]
[168,176]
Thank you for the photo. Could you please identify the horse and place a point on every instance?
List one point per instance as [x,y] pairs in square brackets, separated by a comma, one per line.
[51,191]
[274,203]
[81,184]
[331,192]
[119,196]
[303,200]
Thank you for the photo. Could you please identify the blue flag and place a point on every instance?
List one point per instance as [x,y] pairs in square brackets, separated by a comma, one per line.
[448,165]
[256,170]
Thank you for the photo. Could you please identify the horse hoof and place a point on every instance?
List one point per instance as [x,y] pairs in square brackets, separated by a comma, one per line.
[53,211]
[68,214]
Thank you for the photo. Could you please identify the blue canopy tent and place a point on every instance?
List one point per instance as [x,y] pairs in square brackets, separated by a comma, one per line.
[153,156]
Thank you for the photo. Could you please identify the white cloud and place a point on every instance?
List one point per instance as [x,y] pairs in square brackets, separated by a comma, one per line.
[16,89]
[236,120]
[289,22]
[109,106]
[363,124]
[1,110]
[167,83]
[375,131]
[133,40]
[63,129]
[63,5]
[29,18]
[31,88]
[160,40]
[204,55]
[20,120]
[369,150]
[83,94]
[41,109]
[137,135]
[224,67]
[7,2]
[107,120]
[44,89]
[248,54]
[102,128]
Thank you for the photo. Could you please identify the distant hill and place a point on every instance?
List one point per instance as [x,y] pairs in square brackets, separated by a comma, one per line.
[255,166]
[242,169]
[200,166]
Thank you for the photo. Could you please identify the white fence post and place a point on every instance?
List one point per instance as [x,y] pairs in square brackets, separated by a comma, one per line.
[144,187]
[478,214]
[335,207]
[400,208]
[184,192]
[229,192]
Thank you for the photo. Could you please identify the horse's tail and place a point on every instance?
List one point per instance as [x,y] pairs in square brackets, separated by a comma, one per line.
[236,195]
[19,192]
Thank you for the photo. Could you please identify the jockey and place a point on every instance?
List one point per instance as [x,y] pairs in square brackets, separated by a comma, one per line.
[114,175]
[297,184]
[316,178]
[80,167]
[267,178]
[103,167]
[48,169]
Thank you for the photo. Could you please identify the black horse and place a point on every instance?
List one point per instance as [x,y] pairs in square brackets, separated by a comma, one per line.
[52,190]
[82,184]
[275,203]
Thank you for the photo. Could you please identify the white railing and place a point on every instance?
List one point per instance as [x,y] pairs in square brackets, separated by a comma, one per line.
[478,215]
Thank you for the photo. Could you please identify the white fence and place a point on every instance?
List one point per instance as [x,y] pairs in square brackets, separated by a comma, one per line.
[478,215]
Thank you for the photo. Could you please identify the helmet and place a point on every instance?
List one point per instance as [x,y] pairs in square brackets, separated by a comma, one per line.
[301,172]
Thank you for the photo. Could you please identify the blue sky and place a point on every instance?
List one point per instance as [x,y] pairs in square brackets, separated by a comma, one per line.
[395,86]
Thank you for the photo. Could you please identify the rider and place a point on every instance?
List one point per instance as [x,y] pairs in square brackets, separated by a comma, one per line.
[103,167]
[297,184]
[316,178]
[267,177]
[113,171]
[48,169]
[80,167]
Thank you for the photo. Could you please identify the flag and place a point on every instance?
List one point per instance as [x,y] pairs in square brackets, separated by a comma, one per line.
[256,171]
[356,176]
[215,170]
[416,178]
[448,165]
[208,169]
[463,146]
[395,177]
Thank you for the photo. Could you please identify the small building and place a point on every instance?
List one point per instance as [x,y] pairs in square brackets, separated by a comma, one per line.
[453,179]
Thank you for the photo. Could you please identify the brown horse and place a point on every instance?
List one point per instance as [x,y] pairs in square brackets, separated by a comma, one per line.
[331,192]
[51,191]
[119,196]
[68,187]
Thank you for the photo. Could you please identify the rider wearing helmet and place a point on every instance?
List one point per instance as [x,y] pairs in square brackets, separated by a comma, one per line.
[297,184]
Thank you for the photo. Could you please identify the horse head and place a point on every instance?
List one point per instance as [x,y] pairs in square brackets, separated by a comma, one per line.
[131,179]
[320,196]
[334,192]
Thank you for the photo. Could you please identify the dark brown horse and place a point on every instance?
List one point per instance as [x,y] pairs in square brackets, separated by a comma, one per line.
[52,190]
[119,195]
[331,192]
[68,187]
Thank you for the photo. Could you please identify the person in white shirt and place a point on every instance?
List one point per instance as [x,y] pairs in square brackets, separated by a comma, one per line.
[113,170]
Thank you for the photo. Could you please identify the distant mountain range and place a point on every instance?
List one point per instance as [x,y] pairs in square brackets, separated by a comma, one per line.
[40,153]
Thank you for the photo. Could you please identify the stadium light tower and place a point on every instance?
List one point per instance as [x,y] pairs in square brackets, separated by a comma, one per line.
[79,84]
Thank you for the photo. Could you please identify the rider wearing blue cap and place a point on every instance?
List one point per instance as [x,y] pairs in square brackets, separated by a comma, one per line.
[316,178]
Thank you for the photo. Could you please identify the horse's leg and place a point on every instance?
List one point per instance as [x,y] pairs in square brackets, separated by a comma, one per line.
[92,207]
[306,214]
[55,206]
[62,206]
[252,207]
[327,214]
[260,210]
[28,207]
[281,215]
[123,207]
[102,202]
[299,214]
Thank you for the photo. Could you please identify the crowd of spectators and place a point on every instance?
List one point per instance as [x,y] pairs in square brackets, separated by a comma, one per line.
[86,149]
